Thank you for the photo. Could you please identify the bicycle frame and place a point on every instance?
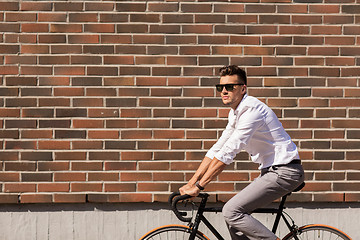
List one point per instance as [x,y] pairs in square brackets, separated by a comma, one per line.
[201,218]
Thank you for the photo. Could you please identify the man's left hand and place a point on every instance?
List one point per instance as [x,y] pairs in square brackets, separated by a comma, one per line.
[193,191]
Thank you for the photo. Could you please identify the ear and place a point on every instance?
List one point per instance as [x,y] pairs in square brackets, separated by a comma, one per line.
[244,89]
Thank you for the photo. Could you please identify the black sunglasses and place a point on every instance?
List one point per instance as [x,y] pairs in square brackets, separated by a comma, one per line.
[228,87]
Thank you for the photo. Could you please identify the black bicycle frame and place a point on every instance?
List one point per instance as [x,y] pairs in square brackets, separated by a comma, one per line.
[201,218]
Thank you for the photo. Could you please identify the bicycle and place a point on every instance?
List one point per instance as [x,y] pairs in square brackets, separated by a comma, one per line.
[176,232]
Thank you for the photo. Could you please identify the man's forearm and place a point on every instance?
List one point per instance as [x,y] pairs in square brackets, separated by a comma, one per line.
[201,170]
[214,169]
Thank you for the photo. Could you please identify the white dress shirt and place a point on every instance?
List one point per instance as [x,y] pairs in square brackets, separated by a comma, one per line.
[255,128]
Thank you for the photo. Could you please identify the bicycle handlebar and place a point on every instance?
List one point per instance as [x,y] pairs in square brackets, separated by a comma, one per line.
[174,198]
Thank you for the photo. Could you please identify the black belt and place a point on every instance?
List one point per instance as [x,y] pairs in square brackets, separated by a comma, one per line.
[295,161]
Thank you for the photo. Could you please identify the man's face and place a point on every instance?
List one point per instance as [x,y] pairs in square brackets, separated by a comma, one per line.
[234,97]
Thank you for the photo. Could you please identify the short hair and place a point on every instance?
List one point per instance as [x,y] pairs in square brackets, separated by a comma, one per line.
[233,70]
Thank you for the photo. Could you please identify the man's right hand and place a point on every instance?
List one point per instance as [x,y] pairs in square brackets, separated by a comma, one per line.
[185,188]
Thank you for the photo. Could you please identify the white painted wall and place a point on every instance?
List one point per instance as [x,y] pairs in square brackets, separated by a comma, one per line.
[131,221]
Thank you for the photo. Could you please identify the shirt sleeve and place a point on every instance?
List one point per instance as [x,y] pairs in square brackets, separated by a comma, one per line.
[248,122]
[226,134]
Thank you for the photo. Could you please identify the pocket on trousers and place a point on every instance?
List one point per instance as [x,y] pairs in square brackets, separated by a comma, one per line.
[290,178]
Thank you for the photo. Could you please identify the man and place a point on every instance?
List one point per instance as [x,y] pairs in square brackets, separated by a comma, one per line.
[253,127]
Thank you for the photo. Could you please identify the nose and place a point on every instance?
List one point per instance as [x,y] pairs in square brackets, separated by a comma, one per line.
[224,90]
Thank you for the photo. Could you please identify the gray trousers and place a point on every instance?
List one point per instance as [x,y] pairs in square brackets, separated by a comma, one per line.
[272,184]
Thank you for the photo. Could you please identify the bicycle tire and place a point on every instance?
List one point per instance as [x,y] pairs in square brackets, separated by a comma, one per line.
[317,232]
[172,232]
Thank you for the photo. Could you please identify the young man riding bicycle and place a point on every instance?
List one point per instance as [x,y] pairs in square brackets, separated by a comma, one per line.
[253,127]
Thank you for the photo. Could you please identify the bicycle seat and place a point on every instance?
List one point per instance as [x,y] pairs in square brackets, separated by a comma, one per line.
[299,187]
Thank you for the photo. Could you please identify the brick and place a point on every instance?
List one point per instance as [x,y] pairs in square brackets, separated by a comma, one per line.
[153,144]
[49,17]
[70,133]
[36,198]
[157,165]
[121,123]
[135,176]
[313,102]
[29,133]
[9,70]
[330,176]
[69,198]
[35,49]
[87,144]
[352,197]
[97,6]
[9,156]
[126,28]
[168,156]
[37,156]
[138,155]
[329,197]
[70,155]
[329,134]
[202,113]
[57,81]
[20,145]
[53,187]
[136,134]
[69,176]
[326,113]
[158,102]
[104,176]
[84,123]
[9,198]
[9,177]
[54,123]
[36,177]
[346,165]
[52,102]
[59,145]
[184,166]
[136,197]
[84,38]
[123,145]
[86,166]
[103,198]
[53,166]
[151,187]
[103,134]
[315,123]
[104,155]
[19,187]
[123,166]
[328,9]
[120,187]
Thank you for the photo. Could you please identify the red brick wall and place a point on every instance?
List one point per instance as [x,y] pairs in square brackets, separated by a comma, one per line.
[107,101]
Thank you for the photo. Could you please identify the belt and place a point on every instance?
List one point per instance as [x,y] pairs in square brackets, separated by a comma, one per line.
[295,161]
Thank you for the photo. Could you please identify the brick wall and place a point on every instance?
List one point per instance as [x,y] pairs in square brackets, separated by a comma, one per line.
[113,101]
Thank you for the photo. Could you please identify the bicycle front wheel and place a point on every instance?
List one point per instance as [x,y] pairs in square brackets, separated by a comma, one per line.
[318,232]
[172,232]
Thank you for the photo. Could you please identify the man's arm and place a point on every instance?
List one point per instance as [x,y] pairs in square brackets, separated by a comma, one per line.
[215,168]
[204,174]
[197,175]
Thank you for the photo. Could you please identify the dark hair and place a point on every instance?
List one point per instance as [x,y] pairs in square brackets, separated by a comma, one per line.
[233,70]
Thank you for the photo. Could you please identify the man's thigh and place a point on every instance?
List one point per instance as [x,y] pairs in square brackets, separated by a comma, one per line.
[259,193]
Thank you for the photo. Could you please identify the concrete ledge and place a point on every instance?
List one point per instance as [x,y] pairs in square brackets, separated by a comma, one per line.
[128,221]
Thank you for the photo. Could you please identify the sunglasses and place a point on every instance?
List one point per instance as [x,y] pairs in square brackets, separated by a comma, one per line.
[228,87]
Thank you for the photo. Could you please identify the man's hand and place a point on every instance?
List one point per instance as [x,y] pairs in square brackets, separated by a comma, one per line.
[185,188]
[191,190]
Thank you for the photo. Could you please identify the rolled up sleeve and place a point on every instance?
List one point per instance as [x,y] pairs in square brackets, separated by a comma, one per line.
[246,125]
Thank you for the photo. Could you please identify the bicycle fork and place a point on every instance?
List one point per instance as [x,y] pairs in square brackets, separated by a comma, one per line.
[200,218]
